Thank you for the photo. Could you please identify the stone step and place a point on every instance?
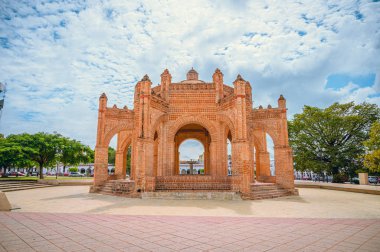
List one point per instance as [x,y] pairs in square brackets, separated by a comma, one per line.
[271,195]
[117,187]
[197,187]
[270,191]
[16,185]
[188,195]
[264,187]
[107,186]
[11,189]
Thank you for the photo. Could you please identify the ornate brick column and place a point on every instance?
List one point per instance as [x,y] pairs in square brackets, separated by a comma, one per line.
[264,163]
[144,143]
[120,169]
[101,165]
[207,157]
[243,163]
[212,162]
[101,149]
[284,166]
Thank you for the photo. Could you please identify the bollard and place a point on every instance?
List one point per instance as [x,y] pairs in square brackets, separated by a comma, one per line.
[4,203]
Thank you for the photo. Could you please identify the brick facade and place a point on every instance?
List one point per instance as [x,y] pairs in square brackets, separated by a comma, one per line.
[166,115]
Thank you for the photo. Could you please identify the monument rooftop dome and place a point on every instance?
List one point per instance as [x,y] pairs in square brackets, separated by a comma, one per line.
[192,77]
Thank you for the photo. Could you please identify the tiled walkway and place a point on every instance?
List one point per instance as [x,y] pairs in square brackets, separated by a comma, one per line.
[100,232]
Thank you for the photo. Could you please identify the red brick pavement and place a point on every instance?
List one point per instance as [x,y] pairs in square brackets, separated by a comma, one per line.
[93,232]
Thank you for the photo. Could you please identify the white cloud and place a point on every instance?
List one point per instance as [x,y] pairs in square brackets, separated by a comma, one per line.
[58,57]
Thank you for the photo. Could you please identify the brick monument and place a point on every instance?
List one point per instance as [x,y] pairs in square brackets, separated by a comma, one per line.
[166,115]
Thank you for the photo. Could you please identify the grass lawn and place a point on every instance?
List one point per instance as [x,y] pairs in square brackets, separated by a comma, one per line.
[46,177]
[67,177]
[19,178]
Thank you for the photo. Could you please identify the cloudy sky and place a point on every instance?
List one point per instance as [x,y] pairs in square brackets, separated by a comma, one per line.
[57,57]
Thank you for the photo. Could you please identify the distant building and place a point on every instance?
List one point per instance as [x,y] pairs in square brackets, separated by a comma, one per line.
[201,158]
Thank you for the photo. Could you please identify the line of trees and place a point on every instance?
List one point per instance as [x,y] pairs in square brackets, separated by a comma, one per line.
[340,140]
[42,150]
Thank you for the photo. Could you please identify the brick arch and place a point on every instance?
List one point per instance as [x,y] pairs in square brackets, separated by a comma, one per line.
[256,141]
[184,120]
[127,141]
[157,122]
[192,138]
[112,132]
[272,131]
[227,120]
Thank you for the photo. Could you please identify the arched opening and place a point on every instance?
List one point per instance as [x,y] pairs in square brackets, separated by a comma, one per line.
[128,156]
[270,149]
[255,164]
[124,162]
[263,157]
[191,157]
[229,153]
[112,146]
[155,153]
[198,154]
[119,158]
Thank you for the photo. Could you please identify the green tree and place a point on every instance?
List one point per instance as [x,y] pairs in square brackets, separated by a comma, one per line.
[15,152]
[45,148]
[10,153]
[372,157]
[331,139]
[73,152]
[42,149]
[73,169]
[129,152]
[111,155]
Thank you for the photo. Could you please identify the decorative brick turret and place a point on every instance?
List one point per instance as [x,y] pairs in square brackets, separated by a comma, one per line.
[166,80]
[144,106]
[240,94]
[217,78]
[281,102]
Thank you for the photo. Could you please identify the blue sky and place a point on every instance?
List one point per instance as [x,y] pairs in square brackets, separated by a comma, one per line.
[59,56]
[190,149]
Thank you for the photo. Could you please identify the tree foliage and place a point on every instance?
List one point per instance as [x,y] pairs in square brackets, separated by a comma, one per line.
[42,150]
[111,155]
[10,154]
[331,139]
[372,158]
[129,154]
[73,152]
[73,169]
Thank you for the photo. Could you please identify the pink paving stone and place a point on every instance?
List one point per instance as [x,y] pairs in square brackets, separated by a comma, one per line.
[87,232]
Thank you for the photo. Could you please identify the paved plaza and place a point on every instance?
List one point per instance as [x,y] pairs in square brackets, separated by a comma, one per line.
[312,203]
[86,232]
[68,218]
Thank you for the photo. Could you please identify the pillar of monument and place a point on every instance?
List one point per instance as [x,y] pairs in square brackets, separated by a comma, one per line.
[120,169]
[206,158]
[264,159]
[284,166]
[101,165]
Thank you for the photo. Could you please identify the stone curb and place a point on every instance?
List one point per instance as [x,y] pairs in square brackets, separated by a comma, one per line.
[64,182]
[339,188]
